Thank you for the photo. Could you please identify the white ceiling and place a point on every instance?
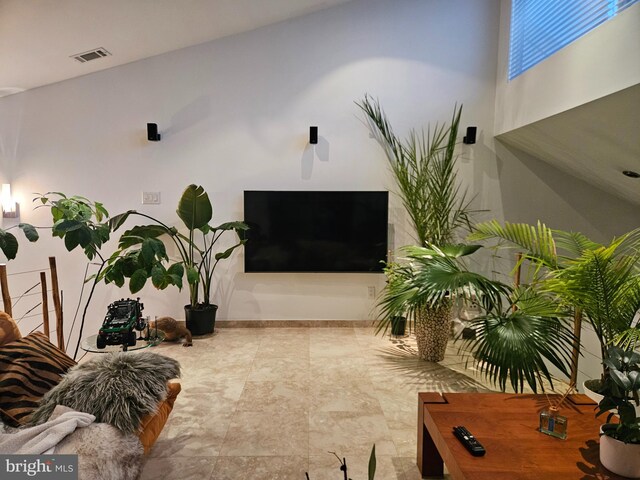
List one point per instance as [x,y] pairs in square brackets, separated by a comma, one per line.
[594,142]
[37,37]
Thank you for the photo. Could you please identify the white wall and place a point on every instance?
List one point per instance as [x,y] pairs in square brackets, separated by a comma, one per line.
[603,61]
[234,115]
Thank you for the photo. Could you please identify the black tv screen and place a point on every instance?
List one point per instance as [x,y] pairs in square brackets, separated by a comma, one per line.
[313,231]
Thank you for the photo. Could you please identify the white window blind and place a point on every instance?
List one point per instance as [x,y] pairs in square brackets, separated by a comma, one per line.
[539,28]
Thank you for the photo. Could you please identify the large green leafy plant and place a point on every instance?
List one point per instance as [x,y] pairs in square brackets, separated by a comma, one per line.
[601,282]
[424,169]
[520,329]
[196,249]
[141,253]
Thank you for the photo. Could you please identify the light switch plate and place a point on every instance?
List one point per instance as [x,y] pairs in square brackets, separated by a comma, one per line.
[151,198]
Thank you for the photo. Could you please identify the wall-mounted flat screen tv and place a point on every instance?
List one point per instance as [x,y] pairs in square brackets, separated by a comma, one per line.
[315,231]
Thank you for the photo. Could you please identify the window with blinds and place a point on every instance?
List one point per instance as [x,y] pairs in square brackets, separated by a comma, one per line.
[539,28]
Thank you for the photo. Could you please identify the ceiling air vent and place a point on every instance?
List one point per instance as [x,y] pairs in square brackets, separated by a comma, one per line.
[91,55]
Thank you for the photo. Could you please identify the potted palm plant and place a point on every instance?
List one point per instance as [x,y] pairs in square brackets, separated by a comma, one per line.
[620,442]
[600,282]
[519,331]
[424,168]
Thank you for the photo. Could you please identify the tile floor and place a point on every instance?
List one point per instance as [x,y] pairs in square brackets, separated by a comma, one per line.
[271,403]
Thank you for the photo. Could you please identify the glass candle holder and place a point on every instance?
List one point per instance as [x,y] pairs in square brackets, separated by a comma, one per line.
[552,423]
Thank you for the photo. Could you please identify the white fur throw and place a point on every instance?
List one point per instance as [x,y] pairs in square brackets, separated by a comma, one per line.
[118,388]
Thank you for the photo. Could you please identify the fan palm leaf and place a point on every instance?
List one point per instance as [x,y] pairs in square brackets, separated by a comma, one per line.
[514,347]
[603,281]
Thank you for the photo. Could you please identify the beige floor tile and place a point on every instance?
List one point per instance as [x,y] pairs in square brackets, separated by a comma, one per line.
[278,397]
[267,434]
[286,348]
[274,369]
[183,468]
[352,433]
[352,395]
[193,437]
[260,468]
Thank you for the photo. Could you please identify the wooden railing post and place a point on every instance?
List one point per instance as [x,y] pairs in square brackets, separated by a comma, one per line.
[45,304]
[57,304]
[4,285]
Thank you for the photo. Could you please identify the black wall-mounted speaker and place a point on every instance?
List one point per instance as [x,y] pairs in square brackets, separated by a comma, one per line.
[313,135]
[152,132]
[470,138]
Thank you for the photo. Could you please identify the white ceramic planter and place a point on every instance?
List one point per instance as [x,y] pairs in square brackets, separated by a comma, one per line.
[619,457]
[596,397]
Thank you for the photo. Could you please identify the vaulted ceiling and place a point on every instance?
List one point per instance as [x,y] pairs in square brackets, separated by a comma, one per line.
[39,37]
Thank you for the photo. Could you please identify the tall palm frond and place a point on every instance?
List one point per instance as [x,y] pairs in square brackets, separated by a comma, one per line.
[423,166]
[603,281]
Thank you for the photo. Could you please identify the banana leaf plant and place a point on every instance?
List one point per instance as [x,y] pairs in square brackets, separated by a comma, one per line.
[196,249]
[519,331]
[141,253]
[600,281]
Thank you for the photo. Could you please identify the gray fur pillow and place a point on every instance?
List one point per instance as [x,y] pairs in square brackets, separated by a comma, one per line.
[118,388]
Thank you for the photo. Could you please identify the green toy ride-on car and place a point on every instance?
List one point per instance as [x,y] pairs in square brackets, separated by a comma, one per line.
[122,320]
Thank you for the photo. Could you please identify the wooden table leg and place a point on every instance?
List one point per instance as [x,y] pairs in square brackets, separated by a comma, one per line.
[429,459]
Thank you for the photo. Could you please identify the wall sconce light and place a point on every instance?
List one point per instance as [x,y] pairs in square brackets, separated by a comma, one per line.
[470,138]
[10,209]
[152,132]
[313,135]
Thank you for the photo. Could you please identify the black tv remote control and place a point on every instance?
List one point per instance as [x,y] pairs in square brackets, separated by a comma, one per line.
[469,441]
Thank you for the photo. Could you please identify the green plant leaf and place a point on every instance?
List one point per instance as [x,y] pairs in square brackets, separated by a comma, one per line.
[147,251]
[158,276]
[238,226]
[65,226]
[372,463]
[137,281]
[101,212]
[459,250]
[116,222]
[620,379]
[227,253]
[194,207]
[138,234]
[8,244]
[71,240]
[192,275]
[29,231]
[176,269]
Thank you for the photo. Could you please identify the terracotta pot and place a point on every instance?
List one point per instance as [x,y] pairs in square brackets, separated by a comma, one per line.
[619,457]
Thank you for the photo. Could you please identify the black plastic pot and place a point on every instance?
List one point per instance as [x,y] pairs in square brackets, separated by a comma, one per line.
[201,319]
[398,326]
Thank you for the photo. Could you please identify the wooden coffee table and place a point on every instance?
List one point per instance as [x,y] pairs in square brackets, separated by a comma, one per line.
[507,426]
